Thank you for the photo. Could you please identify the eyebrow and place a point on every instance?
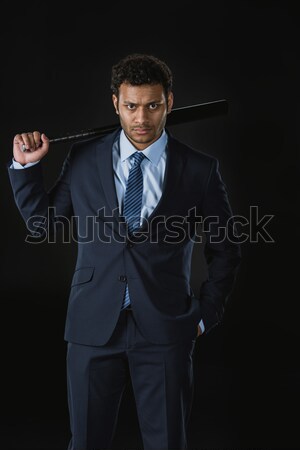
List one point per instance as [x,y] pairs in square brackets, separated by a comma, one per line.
[149,103]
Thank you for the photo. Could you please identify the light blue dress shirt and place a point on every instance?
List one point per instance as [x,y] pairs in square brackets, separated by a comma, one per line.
[153,169]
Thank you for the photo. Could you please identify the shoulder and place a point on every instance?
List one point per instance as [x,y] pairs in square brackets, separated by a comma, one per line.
[194,156]
[87,147]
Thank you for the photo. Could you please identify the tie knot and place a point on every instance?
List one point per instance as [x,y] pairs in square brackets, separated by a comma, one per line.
[138,157]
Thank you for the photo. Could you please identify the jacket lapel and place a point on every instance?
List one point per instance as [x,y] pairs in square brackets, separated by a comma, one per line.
[105,168]
[175,164]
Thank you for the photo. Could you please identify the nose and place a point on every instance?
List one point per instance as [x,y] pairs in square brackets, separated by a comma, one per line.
[141,115]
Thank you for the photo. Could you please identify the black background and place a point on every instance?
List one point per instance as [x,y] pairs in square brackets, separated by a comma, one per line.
[55,77]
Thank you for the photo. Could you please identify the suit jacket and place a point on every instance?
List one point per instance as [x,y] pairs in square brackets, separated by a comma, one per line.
[156,263]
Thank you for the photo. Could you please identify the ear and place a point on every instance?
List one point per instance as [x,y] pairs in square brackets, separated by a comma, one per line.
[115,103]
[170,102]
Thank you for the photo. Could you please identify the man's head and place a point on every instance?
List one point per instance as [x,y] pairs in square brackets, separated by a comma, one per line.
[142,97]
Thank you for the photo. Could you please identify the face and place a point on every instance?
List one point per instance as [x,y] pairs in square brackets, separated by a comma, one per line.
[143,112]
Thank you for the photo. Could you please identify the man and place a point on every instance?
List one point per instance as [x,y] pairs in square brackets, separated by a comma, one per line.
[131,311]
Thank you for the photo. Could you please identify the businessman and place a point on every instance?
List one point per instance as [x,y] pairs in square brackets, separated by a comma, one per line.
[138,196]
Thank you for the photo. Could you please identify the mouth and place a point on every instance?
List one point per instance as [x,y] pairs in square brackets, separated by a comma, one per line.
[141,130]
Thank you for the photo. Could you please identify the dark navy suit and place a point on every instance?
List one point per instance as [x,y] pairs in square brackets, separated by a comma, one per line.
[153,342]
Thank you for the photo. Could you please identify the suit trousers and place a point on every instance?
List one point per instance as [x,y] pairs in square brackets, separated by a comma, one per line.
[162,382]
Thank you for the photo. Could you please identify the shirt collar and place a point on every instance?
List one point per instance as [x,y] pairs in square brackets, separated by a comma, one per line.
[153,152]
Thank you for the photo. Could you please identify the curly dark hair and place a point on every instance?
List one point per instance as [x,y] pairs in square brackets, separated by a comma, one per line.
[137,69]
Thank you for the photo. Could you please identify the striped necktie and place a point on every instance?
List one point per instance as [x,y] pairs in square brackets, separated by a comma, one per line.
[133,202]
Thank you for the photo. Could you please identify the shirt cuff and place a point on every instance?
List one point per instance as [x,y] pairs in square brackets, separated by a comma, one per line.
[17,165]
[201,325]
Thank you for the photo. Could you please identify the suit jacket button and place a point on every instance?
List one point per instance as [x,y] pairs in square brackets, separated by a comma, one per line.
[123,278]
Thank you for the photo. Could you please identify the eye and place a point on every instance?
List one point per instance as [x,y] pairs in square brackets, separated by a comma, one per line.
[153,106]
[131,106]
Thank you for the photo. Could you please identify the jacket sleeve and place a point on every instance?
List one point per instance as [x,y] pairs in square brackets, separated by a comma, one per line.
[44,212]
[222,251]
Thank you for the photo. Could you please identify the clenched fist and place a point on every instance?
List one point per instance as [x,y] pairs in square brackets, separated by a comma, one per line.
[30,147]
